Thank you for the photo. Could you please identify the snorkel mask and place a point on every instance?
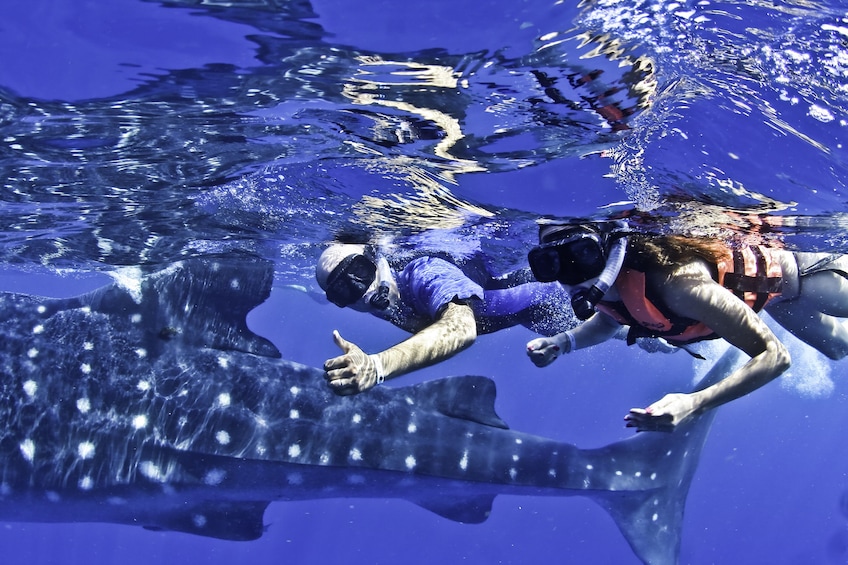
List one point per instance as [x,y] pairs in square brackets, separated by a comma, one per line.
[349,278]
[574,254]
[349,281]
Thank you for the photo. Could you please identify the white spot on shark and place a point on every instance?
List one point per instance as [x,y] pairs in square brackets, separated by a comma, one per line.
[27,447]
[199,520]
[653,476]
[41,309]
[214,477]
[294,390]
[552,473]
[222,437]
[324,459]
[30,388]
[139,421]
[83,405]
[135,318]
[513,473]
[87,346]
[294,414]
[410,462]
[294,450]
[223,399]
[141,353]
[355,454]
[518,441]
[261,449]
[85,368]
[223,362]
[515,457]
[32,353]
[151,470]
[38,329]
[589,467]
[235,284]
[463,463]
[618,473]
[410,401]
[356,419]
[86,483]
[637,474]
[85,450]
[143,385]
[412,428]
[654,518]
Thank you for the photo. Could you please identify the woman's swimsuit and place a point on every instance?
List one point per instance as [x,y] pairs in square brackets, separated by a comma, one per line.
[754,274]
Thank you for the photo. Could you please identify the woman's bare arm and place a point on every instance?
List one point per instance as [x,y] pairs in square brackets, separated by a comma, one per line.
[692,293]
[599,328]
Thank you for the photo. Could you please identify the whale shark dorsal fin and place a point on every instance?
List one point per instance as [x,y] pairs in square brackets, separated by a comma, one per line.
[199,302]
[469,398]
[233,521]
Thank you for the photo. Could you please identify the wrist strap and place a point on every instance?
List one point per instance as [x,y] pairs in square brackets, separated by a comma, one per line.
[378,366]
[569,339]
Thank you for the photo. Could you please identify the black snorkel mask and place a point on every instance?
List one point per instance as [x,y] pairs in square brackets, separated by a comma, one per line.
[571,259]
[349,281]
[352,278]
[574,254]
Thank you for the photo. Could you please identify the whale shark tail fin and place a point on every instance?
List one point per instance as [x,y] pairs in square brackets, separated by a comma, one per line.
[651,518]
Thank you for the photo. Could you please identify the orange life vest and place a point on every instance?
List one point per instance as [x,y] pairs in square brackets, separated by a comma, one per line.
[752,273]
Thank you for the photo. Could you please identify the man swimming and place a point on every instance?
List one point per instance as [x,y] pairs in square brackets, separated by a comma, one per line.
[442,306]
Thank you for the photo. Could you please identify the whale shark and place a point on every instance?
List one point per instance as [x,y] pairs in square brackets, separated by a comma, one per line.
[150,402]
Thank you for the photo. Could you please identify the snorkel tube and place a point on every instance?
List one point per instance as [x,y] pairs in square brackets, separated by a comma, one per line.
[584,301]
[381,297]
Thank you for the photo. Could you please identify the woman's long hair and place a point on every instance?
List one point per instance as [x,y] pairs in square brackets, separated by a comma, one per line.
[671,250]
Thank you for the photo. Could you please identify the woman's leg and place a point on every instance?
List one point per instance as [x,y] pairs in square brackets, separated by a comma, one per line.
[814,317]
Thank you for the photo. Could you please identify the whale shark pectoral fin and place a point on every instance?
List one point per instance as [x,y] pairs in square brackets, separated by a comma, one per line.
[208,300]
[233,521]
[198,302]
[469,398]
[467,510]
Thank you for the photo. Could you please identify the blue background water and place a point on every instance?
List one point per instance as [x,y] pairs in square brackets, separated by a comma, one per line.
[142,132]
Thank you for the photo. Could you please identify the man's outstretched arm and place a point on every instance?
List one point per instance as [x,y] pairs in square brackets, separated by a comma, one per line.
[355,371]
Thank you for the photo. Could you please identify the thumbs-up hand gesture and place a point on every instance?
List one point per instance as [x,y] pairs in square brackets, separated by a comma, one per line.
[352,372]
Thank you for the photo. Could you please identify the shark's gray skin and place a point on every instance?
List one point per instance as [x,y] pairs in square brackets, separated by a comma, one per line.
[155,405]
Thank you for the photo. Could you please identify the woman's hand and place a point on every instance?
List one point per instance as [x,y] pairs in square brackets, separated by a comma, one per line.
[543,351]
[664,415]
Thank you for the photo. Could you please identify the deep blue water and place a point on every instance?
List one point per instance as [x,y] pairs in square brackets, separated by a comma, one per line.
[142,132]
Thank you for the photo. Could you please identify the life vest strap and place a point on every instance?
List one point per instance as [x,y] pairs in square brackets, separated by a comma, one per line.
[759,284]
